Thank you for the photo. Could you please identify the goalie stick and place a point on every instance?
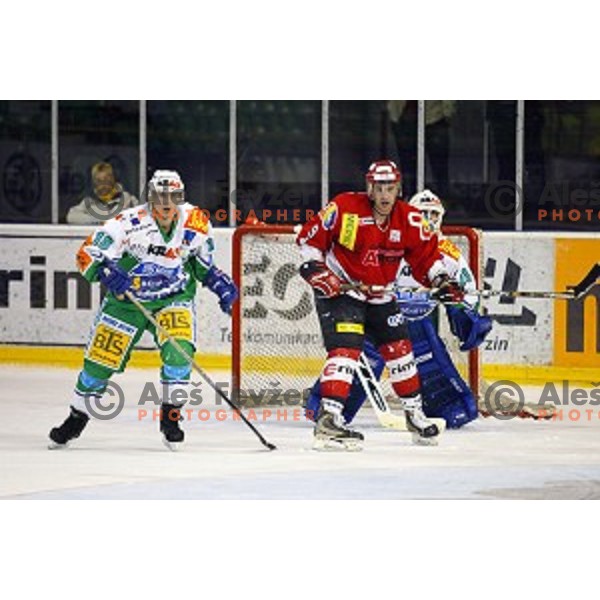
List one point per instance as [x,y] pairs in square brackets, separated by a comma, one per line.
[196,367]
[385,416]
[571,293]
[499,404]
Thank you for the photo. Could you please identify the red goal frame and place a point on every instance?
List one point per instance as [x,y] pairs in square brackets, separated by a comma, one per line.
[474,259]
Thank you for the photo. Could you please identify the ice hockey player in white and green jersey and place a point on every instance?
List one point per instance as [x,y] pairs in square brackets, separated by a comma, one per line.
[158,252]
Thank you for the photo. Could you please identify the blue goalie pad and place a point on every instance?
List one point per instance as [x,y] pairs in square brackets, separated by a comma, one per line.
[468,326]
[445,394]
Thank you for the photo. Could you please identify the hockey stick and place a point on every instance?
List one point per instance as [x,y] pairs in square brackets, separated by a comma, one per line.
[379,289]
[196,367]
[385,416]
[585,285]
[571,293]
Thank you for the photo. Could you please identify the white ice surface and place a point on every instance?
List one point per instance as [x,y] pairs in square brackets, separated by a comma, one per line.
[124,458]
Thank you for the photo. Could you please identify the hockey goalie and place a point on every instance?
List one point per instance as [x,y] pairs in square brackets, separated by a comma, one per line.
[445,394]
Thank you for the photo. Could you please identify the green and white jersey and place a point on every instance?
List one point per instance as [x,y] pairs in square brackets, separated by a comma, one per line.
[161,264]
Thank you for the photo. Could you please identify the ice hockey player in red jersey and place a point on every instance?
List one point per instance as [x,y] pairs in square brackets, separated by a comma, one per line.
[352,251]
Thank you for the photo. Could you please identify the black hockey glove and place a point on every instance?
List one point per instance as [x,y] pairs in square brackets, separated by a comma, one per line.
[446,290]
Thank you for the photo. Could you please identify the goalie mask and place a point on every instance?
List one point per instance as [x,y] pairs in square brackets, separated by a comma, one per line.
[165,186]
[431,208]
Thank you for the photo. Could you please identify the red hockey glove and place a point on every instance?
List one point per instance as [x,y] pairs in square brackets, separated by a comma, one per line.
[448,290]
[325,282]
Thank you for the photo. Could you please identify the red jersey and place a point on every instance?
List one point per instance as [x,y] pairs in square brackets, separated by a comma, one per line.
[360,251]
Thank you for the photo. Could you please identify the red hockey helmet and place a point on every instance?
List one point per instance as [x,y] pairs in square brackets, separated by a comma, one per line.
[384,171]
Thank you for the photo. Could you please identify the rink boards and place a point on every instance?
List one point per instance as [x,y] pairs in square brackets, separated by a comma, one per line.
[46,309]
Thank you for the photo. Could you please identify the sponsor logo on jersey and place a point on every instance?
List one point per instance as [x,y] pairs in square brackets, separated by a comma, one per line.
[162,251]
[188,237]
[366,221]
[448,248]
[395,235]
[197,221]
[349,230]
[377,256]
[102,240]
[329,215]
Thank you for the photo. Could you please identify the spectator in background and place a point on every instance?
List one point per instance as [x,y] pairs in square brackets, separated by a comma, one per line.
[107,199]
[403,117]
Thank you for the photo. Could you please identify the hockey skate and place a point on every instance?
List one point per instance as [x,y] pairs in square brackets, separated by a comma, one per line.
[72,427]
[330,431]
[173,435]
[424,431]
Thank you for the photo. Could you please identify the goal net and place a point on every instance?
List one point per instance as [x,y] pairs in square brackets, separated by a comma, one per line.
[277,346]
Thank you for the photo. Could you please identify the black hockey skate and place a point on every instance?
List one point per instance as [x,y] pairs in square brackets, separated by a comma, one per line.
[72,427]
[331,433]
[173,435]
[424,432]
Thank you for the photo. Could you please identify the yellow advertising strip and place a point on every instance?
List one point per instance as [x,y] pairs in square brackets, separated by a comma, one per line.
[539,375]
[282,365]
[65,356]
[577,323]
[62,356]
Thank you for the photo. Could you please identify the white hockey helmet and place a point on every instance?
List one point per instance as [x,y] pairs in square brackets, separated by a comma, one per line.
[166,182]
[431,208]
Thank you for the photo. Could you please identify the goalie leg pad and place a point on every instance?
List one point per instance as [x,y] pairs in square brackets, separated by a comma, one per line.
[445,394]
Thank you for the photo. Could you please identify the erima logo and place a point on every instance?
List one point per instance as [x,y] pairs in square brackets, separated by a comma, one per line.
[398,369]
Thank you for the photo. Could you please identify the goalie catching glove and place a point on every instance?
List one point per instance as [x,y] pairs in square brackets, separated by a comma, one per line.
[447,290]
[324,281]
[468,326]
